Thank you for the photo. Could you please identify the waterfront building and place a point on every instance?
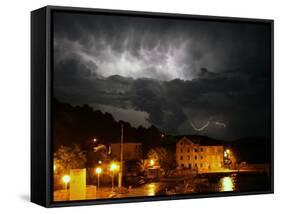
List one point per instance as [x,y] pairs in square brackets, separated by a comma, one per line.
[198,156]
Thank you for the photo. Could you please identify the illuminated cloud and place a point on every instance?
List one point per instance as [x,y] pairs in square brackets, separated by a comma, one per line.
[166,72]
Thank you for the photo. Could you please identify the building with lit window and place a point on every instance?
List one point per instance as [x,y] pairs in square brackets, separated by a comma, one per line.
[197,156]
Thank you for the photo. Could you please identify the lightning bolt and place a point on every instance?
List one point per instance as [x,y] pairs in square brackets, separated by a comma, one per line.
[223,125]
[201,128]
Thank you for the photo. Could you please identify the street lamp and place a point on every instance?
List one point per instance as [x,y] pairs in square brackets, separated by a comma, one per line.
[98,172]
[66,180]
[151,162]
[113,168]
[227,157]
[226,153]
[95,140]
[55,167]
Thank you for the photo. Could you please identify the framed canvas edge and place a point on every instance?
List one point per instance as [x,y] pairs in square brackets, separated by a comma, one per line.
[155,198]
[38,114]
[156,14]
[49,95]
[49,160]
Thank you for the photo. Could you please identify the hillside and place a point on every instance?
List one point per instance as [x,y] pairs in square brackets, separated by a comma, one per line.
[80,124]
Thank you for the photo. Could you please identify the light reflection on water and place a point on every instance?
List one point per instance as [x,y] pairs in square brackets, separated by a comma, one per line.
[227,184]
[151,189]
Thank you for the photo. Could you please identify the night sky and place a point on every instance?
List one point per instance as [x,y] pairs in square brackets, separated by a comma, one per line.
[183,76]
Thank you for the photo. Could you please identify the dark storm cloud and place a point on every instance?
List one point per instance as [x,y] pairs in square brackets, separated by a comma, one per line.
[145,47]
[166,72]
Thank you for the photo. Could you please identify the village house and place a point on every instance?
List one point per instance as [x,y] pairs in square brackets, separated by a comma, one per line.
[131,151]
[197,156]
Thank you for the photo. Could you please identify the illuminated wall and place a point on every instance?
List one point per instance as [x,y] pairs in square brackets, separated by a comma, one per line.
[196,156]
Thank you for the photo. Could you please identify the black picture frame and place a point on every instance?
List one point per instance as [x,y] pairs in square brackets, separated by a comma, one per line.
[41,105]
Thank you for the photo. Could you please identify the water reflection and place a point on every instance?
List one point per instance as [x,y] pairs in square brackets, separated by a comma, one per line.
[151,189]
[227,184]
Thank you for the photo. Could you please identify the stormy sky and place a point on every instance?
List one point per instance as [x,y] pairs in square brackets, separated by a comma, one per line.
[183,76]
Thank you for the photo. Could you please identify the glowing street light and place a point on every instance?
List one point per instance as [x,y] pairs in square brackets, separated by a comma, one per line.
[98,172]
[95,140]
[226,153]
[113,168]
[151,162]
[55,167]
[66,180]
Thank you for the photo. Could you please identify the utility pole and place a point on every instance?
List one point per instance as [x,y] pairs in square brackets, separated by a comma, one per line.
[120,175]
